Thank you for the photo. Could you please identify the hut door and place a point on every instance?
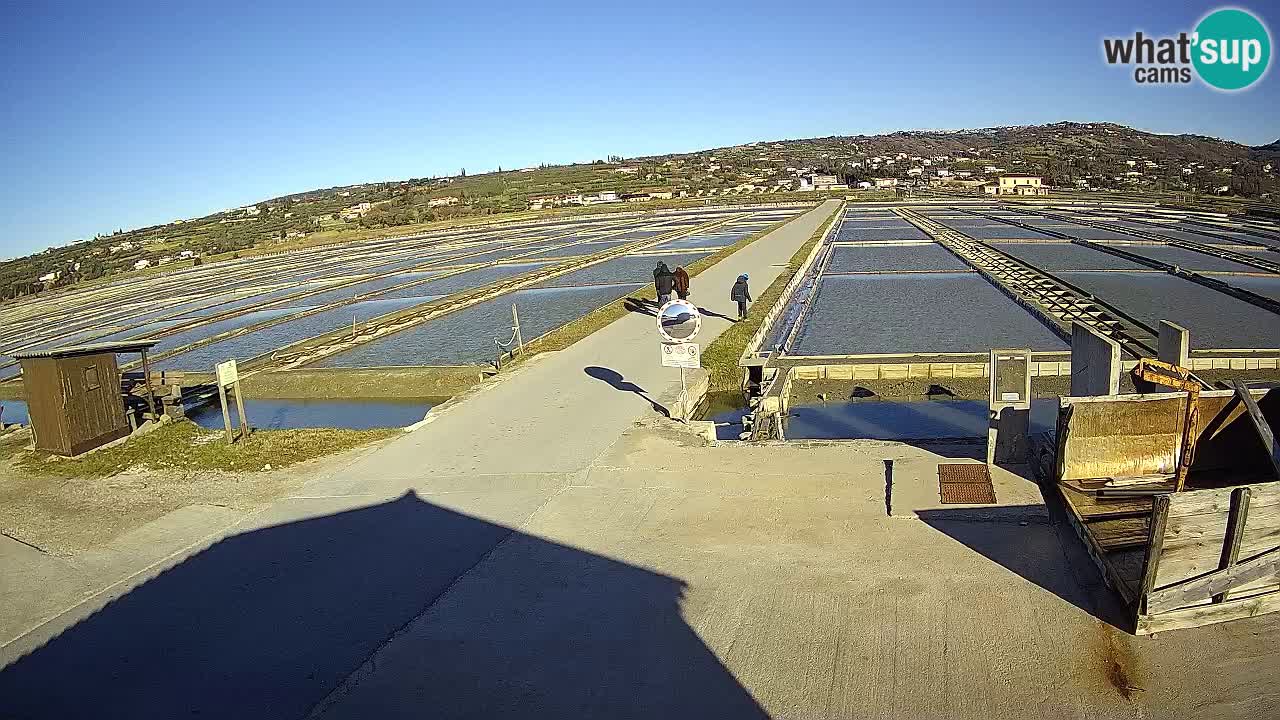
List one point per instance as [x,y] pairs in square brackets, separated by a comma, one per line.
[91,400]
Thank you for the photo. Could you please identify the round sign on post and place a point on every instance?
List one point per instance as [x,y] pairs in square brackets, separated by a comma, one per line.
[679,321]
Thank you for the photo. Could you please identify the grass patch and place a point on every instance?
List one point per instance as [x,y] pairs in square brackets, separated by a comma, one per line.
[720,358]
[185,446]
[572,332]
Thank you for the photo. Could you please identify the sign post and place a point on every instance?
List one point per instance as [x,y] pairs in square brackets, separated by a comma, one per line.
[228,376]
[678,324]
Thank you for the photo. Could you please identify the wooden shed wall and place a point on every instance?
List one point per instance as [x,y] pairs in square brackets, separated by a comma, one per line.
[95,411]
[72,413]
[40,377]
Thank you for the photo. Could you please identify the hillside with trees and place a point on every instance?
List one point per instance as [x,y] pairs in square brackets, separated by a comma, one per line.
[1073,156]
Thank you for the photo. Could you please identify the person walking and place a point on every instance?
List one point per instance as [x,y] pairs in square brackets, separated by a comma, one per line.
[741,294]
[682,282]
[664,282]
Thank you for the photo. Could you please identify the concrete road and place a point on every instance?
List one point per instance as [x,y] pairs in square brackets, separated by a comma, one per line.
[671,580]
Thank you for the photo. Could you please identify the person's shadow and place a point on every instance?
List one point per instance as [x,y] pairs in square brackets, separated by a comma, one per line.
[615,379]
[710,313]
[641,306]
[401,608]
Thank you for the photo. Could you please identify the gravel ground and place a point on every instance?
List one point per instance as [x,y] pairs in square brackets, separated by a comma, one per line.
[63,516]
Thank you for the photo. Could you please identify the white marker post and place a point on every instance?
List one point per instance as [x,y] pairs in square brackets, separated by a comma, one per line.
[678,324]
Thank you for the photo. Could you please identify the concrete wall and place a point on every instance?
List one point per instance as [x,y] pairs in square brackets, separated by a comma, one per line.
[1095,362]
[1174,344]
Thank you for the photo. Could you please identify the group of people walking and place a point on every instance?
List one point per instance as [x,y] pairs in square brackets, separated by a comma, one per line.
[666,282]
[670,282]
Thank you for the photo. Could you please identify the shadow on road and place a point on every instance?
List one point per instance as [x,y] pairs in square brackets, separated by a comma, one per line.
[641,306]
[615,379]
[1041,550]
[711,313]
[265,624]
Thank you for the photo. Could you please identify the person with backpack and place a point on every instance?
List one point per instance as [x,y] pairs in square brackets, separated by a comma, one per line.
[741,294]
[664,282]
[682,282]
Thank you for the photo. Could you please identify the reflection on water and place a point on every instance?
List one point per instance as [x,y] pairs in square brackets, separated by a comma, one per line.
[347,414]
[912,420]
[13,411]
[725,409]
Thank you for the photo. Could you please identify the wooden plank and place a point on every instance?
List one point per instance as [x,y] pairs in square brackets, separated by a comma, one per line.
[1259,424]
[146,378]
[1127,566]
[1120,533]
[244,423]
[1197,589]
[1235,533]
[1194,540]
[1093,508]
[226,416]
[1109,574]
[1234,609]
[1218,500]
[1189,558]
[1151,564]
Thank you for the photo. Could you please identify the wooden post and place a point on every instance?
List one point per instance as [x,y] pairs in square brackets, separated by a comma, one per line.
[226,416]
[244,424]
[1187,451]
[1155,545]
[146,378]
[1239,514]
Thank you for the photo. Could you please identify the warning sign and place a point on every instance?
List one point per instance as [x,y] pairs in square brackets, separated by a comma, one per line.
[681,355]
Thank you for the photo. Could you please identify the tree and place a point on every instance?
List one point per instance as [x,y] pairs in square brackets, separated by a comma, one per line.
[91,268]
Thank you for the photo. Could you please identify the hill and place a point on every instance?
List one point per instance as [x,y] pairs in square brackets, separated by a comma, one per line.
[1069,154]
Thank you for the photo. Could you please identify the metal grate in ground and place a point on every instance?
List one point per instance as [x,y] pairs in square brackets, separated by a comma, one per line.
[965,484]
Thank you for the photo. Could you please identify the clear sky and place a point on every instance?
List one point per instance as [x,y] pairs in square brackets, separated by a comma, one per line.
[119,115]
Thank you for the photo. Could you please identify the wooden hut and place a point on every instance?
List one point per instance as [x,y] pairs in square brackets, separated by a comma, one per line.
[73,393]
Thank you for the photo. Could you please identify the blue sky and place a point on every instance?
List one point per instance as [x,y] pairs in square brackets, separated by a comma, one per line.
[123,116]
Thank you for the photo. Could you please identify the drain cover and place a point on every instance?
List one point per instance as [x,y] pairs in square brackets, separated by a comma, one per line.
[965,484]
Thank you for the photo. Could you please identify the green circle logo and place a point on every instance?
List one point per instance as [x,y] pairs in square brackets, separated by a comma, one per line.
[1232,49]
